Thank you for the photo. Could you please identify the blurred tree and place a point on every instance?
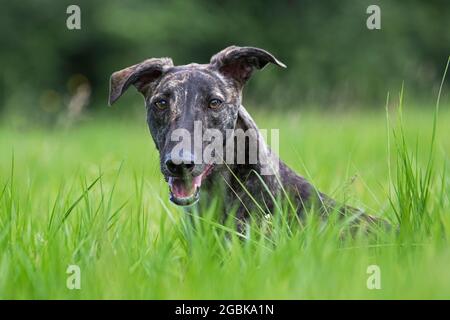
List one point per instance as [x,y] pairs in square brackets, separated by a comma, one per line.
[332,57]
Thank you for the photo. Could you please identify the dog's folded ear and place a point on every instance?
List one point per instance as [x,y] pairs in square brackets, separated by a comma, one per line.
[239,63]
[140,75]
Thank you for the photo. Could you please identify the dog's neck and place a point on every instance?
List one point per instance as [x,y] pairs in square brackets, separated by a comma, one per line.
[266,165]
[266,161]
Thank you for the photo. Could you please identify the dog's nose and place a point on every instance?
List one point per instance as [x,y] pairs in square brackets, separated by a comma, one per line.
[180,166]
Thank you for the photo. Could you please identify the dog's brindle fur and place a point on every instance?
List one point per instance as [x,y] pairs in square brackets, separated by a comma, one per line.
[187,91]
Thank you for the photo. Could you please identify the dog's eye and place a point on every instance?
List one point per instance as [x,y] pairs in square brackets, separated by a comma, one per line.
[215,103]
[161,104]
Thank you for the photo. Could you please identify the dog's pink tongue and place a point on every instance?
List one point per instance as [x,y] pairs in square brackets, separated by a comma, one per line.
[184,188]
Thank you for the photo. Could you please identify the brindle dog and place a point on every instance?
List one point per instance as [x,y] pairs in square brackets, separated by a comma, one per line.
[211,94]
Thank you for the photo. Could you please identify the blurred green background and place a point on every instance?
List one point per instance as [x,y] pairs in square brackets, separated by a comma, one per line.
[52,74]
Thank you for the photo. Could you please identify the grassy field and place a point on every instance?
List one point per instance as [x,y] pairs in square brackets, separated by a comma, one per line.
[92,195]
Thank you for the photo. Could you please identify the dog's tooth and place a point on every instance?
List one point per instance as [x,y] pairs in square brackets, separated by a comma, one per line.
[198,181]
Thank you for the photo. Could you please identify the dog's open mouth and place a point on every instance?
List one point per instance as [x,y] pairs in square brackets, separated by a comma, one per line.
[185,191]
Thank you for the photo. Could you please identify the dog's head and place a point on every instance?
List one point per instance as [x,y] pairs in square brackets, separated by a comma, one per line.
[186,101]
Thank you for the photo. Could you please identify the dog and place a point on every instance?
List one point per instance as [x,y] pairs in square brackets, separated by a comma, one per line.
[210,95]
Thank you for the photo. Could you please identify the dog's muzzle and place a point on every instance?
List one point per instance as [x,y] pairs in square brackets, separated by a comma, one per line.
[185,179]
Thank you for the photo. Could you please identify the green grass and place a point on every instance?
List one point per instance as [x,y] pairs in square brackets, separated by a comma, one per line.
[93,196]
